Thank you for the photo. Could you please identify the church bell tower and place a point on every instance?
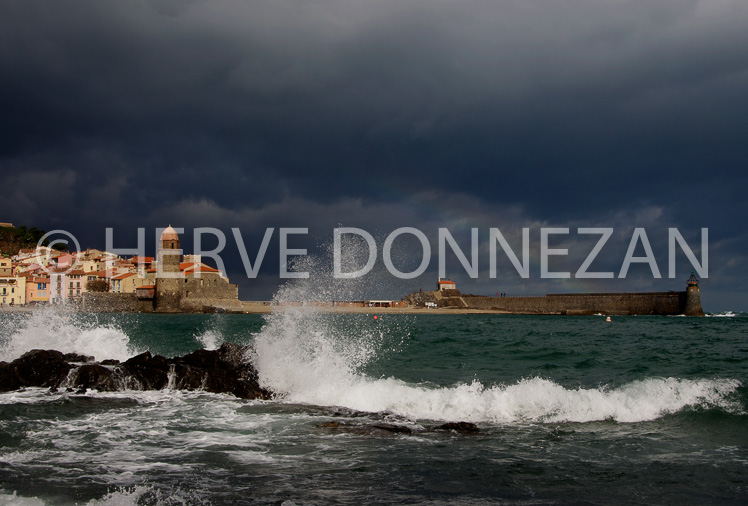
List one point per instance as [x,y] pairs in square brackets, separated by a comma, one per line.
[168,274]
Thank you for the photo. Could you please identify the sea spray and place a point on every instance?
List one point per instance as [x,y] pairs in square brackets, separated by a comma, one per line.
[210,339]
[318,373]
[307,354]
[63,330]
[199,448]
[301,350]
[306,350]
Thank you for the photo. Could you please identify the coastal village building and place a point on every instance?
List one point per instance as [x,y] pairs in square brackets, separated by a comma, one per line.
[188,285]
[128,282]
[6,267]
[445,284]
[66,286]
[168,283]
[12,291]
[40,256]
[65,261]
[37,289]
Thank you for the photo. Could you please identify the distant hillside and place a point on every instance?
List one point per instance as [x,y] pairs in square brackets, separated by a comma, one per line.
[12,239]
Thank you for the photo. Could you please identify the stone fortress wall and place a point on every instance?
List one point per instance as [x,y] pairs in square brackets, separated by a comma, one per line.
[652,303]
[687,302]
[210,290]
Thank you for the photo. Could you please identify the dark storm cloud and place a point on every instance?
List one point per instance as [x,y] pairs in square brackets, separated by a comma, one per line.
[254,114]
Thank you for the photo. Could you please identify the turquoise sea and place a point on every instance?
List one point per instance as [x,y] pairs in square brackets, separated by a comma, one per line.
[640,410]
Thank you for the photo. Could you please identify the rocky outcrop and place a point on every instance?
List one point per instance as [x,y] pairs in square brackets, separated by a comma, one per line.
[363,428]
[219,371]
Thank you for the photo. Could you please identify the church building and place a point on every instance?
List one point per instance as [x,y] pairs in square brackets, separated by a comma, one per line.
[185,284]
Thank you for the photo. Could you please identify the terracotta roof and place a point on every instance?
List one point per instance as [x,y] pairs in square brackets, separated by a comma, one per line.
[201,268]
[101,274]
[446,282]
[146,287]
[185,265]
[123,276]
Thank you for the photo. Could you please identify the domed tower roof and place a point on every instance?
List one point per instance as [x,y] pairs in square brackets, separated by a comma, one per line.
[169,234]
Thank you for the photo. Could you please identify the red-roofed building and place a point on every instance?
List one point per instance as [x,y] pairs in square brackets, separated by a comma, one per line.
[128,282]
[192,269]
[445,284]
[141,264]
[37,289]
[145,292]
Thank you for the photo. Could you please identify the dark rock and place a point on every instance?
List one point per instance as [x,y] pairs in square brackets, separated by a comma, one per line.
[202,359]
[220,371]
[223,370]
[93,376]
[145,372]
[462,427]
[8,380]
[365,429]
[398,429]
[36,368]
[247,389]
[76,357]
[234,354]
[350,413]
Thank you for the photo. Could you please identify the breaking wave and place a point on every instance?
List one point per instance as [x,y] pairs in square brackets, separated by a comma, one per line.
[66,331]
[304,357]
[305,364]
[725,314]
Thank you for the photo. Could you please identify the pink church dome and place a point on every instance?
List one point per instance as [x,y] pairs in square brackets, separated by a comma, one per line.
[169,234]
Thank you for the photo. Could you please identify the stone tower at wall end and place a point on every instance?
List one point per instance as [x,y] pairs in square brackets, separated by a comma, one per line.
[693,298]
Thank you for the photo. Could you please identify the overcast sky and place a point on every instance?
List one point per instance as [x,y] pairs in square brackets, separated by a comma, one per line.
[380,114]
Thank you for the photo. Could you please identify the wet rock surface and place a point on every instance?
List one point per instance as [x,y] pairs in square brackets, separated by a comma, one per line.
[381,428]
[219,371]
[385,423]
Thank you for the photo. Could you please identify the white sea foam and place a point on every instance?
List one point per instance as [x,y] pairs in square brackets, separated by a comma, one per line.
[68,332]
[210,339]
[123,497]
[301,355]
[724,314]
[528,400]
[306,356]
[129,496]
[16,500]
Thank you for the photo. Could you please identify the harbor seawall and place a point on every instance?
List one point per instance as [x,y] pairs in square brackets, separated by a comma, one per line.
[644,303]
